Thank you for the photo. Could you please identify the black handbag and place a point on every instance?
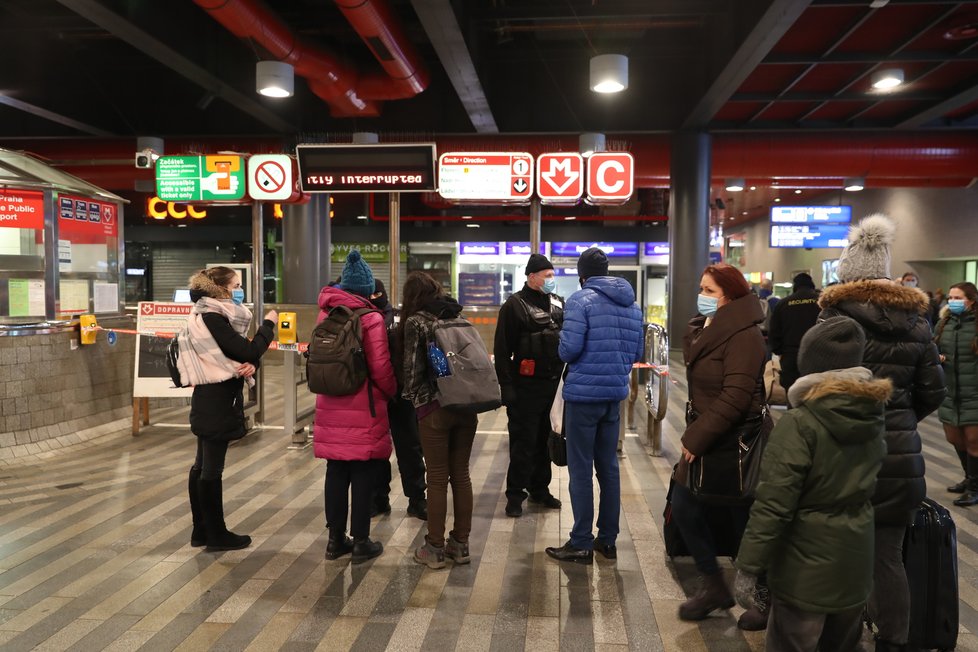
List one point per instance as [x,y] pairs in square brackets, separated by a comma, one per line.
[728,473]
[557,446]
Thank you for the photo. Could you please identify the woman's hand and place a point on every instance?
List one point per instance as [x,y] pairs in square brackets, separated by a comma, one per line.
[272,316]
[687,455]
[246,370]
[943,358]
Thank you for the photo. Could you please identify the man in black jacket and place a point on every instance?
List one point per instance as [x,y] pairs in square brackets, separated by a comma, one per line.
[528,367]
[790,320]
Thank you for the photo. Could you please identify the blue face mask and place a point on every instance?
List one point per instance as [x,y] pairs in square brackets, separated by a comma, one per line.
[956,306]
[707,305]
[237,296]
[549,285]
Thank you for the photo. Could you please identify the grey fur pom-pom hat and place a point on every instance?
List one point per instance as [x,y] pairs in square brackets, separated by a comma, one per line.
[867,256]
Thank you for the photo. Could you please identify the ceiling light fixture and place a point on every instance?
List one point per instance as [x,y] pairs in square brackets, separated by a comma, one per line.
[466,217]
[569,218]
[735,185]
[886,79]
[274,78]
[609,73]
[777,199]
[472,226]
[798,192]
[855,184]
[590,143]
[753,187]
[877,4]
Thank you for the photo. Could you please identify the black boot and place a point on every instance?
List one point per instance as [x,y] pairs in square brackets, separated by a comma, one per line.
[962,486]
[970,495]
[212,504]
[514,507]
[364,549]
[713,595]
[198,537]
[338,545]
[418,508]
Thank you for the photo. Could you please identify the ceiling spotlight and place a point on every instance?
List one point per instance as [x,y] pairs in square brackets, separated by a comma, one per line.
[886,79]
[753,187]
[735,185]
[570,218]
[777,199]
[472,226]
[274,78]
[609,73]
[855,184]
[466,217]
[590,143]
[876,4]
[797,192]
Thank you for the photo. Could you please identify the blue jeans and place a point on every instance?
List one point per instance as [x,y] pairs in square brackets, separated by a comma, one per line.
[592,441]
[693,517]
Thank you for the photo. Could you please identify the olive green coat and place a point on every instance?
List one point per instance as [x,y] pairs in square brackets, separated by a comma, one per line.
[812,523]
[960,406]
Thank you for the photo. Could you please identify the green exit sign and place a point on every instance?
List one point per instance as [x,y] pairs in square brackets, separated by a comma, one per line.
[200,178]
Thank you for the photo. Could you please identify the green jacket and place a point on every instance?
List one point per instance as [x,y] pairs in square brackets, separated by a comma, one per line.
[811,525]
[954,340]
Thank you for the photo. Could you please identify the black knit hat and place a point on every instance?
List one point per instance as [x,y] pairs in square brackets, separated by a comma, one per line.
[802,280]
[593,262]
[538,263]
[836,343]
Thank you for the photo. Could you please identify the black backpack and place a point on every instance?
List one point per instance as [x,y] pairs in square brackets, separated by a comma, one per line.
[171,357]
[336,364]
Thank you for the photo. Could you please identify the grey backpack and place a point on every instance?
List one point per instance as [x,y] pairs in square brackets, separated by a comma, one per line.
[471,384]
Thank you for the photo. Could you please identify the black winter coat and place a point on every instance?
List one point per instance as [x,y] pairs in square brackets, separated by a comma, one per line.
[790,320]
[898,347]
[217,409]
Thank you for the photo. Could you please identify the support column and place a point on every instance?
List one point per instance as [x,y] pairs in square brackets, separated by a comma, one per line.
[258,295]
[534,226]
[689,227]
[394,289]
[306,240]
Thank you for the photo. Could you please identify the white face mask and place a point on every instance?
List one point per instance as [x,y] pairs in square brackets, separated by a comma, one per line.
[910,284]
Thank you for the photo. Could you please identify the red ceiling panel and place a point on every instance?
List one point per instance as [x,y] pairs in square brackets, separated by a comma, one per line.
[967,111]
[946,77]
[836,111]
[893,109]
[890,27]
[738,111]
[770,78]
[816,30]
[933,40]
[829,77]
[782,111]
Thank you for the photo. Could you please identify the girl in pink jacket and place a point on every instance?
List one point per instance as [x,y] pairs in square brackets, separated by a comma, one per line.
[351,439]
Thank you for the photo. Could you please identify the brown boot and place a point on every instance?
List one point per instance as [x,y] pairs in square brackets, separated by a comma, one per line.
[755,618]
[713,594]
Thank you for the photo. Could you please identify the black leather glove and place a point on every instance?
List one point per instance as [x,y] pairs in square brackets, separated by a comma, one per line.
[508,395]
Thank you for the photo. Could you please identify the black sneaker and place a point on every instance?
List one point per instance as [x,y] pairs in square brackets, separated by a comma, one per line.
[514,507]
[548,501]
[609,550]
[567,552]
[365,549]
[418,508]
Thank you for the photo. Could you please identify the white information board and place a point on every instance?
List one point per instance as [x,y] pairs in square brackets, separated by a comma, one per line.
[497,177]
[151,377]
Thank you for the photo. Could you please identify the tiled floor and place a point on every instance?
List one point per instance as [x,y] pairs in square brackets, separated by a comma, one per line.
[94,555]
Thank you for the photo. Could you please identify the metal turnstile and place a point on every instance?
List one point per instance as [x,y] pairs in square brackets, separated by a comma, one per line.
[657,387]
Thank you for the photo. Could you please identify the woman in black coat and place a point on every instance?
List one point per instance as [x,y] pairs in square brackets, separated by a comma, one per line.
[216,358]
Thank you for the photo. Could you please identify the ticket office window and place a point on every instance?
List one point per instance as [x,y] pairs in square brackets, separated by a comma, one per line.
[22,289]
[88,256]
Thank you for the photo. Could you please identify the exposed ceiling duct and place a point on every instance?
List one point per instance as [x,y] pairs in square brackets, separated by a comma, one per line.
[348,92]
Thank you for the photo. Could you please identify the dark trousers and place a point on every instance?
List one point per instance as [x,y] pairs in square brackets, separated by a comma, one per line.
[446,438]
[349,490]
[407,448]
[792,630]
[693,517]
[789,369]
[889,602]
[529,428]
[592,440]
[210,458]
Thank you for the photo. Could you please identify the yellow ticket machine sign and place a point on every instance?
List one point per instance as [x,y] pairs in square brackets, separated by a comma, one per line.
[88,328]
[286,328]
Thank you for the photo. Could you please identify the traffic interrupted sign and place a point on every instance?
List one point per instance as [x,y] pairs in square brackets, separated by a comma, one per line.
[504,177]
[270,177]
[200,178]
[560,177]
[610,177]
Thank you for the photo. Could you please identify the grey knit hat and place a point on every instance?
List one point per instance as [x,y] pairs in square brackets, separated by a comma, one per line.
[867,256]
[836,343]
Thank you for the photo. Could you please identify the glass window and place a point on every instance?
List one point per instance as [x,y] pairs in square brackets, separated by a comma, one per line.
[88,255]
[22,252]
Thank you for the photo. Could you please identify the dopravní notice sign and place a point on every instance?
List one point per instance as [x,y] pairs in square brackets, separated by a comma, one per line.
[219,177]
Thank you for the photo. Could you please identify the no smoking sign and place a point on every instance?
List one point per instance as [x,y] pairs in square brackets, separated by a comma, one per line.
[270,177]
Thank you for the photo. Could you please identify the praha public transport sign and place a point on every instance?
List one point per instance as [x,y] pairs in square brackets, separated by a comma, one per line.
[610,177]
[498,177]
[219,177]
[408,167]
[560,178]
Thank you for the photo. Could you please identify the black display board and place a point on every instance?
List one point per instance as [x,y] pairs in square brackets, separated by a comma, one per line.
[367,168]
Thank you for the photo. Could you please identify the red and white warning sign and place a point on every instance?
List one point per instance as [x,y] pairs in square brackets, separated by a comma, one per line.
[498,177]
[610,177]
[270,177]
[560,177]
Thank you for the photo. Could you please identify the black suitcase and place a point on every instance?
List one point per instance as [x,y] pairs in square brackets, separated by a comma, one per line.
[930,555]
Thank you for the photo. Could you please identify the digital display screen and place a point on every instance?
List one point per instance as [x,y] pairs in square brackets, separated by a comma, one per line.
[811,214]
[656,248]
[366,168]
[611,249]
[807,236]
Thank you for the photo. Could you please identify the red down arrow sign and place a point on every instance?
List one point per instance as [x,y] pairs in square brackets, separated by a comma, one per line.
[560,177]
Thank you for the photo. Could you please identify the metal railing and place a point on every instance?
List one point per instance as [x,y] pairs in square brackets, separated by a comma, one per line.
[294,378]
[657,387]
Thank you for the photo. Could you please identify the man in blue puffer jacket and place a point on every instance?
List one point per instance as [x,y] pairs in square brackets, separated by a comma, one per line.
[600,340]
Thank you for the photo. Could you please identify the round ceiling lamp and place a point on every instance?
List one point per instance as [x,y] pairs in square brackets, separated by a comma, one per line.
[609,73]
[887,78]
[274,78]
[735,185]
[589,143]
[855,184]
